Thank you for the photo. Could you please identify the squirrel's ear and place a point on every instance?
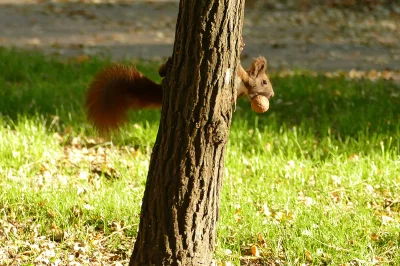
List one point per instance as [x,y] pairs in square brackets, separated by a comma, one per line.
[258,66]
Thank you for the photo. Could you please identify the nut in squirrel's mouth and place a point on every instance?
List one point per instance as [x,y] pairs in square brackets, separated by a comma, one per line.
[260,95]
[260,104]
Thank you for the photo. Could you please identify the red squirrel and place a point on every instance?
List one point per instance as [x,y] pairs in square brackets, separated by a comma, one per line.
[119,88]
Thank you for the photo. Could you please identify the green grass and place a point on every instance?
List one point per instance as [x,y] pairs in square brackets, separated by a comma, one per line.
[315,180]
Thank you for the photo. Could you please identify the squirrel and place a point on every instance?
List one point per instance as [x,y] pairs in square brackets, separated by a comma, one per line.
[118,88]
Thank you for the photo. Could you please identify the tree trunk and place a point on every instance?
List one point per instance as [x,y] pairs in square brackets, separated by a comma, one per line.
[180,205]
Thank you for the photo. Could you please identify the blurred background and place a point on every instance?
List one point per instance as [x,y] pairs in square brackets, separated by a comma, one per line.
[307,34]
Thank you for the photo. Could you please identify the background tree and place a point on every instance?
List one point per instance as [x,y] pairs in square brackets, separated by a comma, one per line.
[180,205]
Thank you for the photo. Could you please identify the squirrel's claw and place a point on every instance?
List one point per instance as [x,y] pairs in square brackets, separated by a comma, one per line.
[165,68]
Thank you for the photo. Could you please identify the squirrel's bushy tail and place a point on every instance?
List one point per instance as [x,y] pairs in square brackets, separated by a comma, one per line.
[117,89]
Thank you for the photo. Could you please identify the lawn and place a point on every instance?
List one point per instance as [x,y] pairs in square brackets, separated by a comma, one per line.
[315,180]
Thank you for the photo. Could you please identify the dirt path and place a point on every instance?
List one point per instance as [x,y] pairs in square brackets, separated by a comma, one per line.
[319,39]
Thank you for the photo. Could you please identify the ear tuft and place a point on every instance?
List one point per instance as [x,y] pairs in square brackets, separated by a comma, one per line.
[258,66]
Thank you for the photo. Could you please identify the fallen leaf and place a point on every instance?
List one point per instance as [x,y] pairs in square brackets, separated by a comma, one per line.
[308,255]
[254,251]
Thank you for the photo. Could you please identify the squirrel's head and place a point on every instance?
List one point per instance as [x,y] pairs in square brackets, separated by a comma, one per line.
[259,83]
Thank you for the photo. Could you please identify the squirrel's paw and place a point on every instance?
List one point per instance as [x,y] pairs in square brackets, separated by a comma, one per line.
[165,68]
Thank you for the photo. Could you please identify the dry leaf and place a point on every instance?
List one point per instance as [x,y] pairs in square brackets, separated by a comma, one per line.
[386,219]
[308,255]
[254,251]
[354,157]
[265,210]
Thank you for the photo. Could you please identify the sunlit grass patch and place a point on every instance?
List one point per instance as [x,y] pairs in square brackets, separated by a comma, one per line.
[314,180]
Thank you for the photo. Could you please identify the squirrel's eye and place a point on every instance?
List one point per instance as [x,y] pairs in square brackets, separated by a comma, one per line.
[265,82]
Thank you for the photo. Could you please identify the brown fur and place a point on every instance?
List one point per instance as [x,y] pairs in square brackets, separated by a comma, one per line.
[256,80]
[117,89]
[259,83]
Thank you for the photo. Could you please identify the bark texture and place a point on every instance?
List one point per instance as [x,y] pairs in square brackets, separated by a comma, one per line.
[180,205]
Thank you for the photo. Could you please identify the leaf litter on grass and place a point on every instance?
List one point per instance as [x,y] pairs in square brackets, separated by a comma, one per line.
[26,240]
[303,192]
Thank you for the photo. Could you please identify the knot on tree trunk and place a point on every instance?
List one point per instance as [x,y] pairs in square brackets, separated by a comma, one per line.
[219,132]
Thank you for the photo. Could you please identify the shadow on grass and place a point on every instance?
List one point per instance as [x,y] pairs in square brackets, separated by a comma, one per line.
[32,84]
[341,106]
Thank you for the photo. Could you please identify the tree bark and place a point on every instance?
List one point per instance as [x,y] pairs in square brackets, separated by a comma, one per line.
[180,205]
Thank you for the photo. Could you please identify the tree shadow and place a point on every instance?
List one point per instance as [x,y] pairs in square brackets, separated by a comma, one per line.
[338,106]
[33,85]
